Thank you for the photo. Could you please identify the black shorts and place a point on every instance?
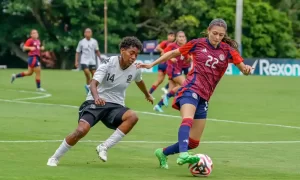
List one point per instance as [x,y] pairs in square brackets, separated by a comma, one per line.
[110,114]
[90,67]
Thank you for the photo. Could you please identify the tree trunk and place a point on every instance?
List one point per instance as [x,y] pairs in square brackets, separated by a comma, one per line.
[17,51]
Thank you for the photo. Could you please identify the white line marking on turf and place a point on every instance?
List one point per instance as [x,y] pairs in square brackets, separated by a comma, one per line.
[156,114]
[159,142]
[142,112]
[43,94]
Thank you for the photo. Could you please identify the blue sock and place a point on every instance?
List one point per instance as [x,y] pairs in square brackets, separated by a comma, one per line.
[167,86]
[174,148]
[38,83]
[183,134]
[171,94]
[161,103]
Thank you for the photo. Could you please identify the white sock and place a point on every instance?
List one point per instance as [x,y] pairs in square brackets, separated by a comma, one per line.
[113,139]
[62,149]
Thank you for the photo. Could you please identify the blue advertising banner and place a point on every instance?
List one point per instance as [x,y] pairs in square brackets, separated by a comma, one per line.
[269,67]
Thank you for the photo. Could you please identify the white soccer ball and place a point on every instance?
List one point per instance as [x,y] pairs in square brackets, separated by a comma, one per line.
[203,167]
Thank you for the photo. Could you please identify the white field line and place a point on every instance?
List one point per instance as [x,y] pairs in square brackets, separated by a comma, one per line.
[156,142]
[143,112]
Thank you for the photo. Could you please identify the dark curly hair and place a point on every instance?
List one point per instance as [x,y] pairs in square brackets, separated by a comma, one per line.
[131,41]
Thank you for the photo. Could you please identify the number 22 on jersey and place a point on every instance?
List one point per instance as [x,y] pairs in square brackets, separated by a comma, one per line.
[211,62]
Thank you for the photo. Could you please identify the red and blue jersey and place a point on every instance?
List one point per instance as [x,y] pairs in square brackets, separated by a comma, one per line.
[208,66]
[33,43]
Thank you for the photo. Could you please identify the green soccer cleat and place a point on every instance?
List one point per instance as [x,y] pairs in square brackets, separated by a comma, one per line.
[185,157]
[161,158]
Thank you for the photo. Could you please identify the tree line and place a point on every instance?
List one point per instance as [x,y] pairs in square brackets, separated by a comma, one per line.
[271,28]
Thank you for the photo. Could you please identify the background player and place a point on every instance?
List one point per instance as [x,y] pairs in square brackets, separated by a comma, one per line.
[162,67]
[87,49]
[106,100]
[33,45]
[186,66]
[174,70]
[211,58]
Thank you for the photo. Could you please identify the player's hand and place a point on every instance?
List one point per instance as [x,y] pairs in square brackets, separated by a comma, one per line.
[149,98]
[174,60]
[76,64]
[247,70]
[32,48]
[142,65]
[99,101]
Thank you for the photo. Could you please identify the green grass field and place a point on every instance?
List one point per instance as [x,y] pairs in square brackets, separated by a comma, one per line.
[253,131]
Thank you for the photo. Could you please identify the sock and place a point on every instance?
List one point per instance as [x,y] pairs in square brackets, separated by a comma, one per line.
[174,149]
[167,86]
[161,103]
[22,74]
[38,83]
[62,149]
[152,89]
[183,134]
[113,139]
[171,94]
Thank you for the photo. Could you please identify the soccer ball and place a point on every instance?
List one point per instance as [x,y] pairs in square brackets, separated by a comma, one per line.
[203,167]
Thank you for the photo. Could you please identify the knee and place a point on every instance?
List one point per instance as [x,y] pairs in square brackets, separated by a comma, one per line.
[29,73]
[80,132]
[132,117]
[193,143]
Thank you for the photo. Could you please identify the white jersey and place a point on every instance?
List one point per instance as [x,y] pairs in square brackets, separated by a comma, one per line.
[113,81]
[87,48]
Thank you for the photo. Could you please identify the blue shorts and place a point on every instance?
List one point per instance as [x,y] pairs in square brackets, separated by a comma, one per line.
[187,96]
[33,61]
[185,70]
[163,67]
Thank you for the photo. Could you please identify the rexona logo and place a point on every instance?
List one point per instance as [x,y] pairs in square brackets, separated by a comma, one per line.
[274,69]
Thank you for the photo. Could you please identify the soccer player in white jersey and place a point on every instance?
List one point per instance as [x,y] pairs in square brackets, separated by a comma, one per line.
[86,51]
[105,101]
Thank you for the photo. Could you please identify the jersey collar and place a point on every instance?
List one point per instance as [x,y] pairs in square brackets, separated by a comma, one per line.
[212,45]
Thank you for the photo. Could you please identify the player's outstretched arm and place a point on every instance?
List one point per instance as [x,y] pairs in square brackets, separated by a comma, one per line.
[245,69]
[163,58]
[142,86]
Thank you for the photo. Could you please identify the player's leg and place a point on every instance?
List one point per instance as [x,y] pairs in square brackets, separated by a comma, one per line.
[160,104]
[87,74]
[92,69]
[187,101]
[160,78]
[37,71]
[165,88]
[122,120]
[31,63]
[88,117]
[81,130]
[178,81]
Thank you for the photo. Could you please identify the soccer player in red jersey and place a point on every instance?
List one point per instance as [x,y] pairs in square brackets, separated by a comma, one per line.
[33,45]
[186,66]
[174,70]
[211,56]
[162,67]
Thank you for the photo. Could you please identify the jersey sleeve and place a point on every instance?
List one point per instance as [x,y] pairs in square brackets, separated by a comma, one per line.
[234,57]
[79,47]
[163,44]
[101,72]
[138,76]
[28,43]
[188,47]
[170,47]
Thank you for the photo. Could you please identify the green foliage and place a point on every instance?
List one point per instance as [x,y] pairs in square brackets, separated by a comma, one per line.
[270,28]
